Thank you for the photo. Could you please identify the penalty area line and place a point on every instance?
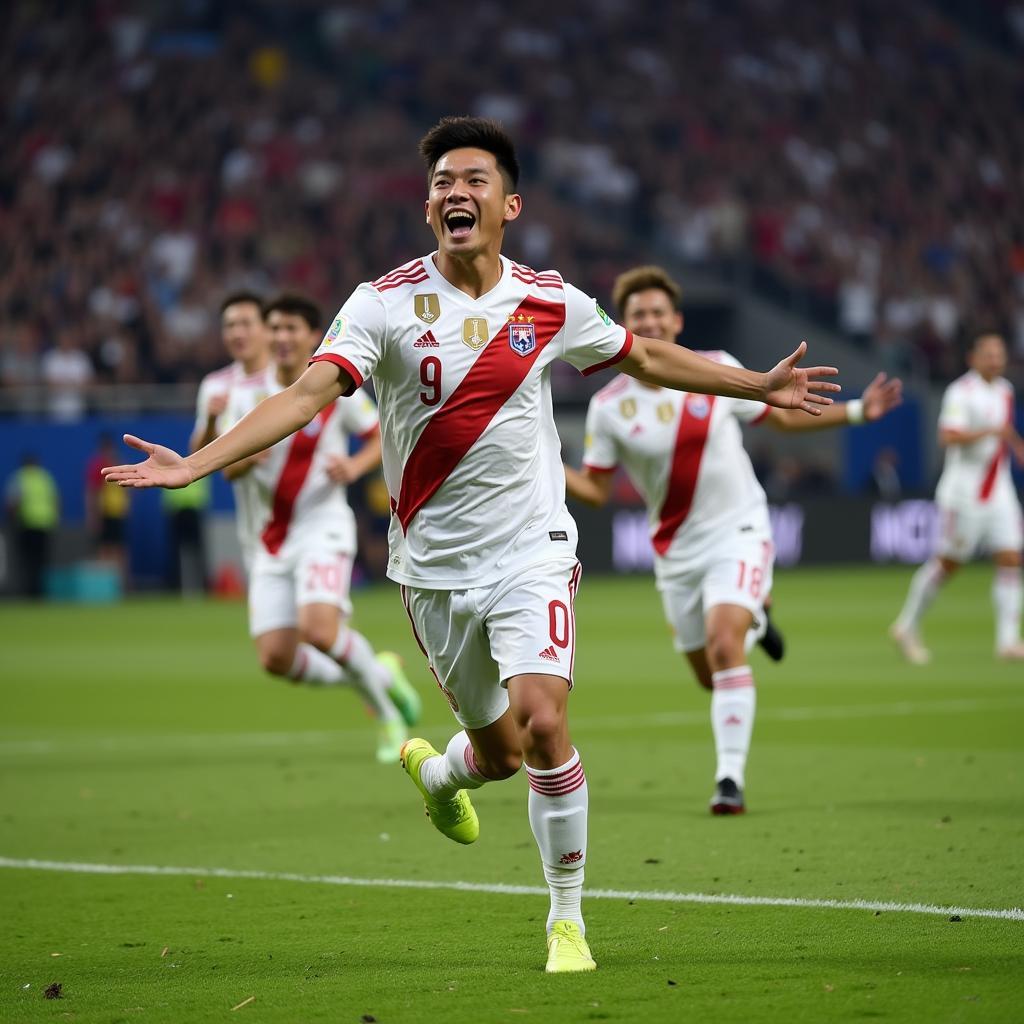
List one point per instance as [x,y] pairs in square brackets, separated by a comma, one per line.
[501,889]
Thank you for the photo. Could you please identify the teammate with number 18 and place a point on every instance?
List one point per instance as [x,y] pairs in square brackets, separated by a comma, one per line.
[460,345]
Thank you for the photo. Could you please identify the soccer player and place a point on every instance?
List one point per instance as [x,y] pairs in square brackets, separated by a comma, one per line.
[460,344]
[302,564]
[978,505]
[713,552]
[245,337]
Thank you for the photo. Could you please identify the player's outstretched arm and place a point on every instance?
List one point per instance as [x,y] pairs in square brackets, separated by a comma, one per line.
[786,385]
[880,397]
[590,486]
[271,421]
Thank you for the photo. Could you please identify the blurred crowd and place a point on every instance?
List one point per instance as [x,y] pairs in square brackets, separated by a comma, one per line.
[865,160]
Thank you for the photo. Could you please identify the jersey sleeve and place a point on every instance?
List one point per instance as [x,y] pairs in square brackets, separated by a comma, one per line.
[599,451]
[745,410]
[207,388]
[591,339]
[359,415]
[953,413]
[234,410]
[355,340]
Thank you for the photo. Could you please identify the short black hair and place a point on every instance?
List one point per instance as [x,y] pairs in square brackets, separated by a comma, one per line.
[293,304]
[242,297]
[471,133]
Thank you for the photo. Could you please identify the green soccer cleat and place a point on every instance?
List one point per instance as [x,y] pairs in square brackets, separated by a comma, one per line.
[568,951]
[453,817]
[391,734]
[402,693]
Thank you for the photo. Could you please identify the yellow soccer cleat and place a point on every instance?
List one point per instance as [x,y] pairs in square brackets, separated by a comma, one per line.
[402,693]
[568,951]
[453,817]
[391,734]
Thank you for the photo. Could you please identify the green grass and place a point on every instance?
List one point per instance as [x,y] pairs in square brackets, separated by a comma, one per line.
[144,734]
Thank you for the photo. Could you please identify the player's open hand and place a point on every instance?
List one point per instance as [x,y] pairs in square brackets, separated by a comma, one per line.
[882,395]
[789,386]
[341,470]
[163,468]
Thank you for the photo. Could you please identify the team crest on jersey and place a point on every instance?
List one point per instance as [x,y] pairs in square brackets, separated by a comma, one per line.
[427,307]
[666,412]
[522,335]
[628,408]
[475,332]
[602,315]
[698,406]
[337,329]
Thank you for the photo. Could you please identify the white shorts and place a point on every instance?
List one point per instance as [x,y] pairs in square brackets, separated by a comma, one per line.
[740,574]
[966,531]
[476,640]
[281,584]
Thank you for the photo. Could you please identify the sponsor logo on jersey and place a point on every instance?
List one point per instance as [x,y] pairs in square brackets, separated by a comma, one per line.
[628,408]
[549,653]
[427,307]
[574,857]
[522,337]
[666,412]
[698,406]
[475,332]
[426,341]
[557,535]
[605,318]
[336,330]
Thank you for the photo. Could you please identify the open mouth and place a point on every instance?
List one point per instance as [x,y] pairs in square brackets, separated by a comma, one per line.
[459,223]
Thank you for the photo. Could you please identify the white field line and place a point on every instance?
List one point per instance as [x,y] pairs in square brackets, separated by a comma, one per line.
[497,888]
[162,743]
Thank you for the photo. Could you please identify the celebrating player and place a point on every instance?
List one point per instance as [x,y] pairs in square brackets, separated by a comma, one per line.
[978,505]
[246,339]
[460,344]
[302,566]
[713,552]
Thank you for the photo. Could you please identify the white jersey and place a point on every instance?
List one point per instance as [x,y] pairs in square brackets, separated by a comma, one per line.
[684,453]
[978,473]
[298,502]
[248,520]
[471,455]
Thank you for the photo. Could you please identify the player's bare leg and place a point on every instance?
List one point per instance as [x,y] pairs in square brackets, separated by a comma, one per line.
[925,584]
[733,700]
[1006,602]
[283,653]
[323,625]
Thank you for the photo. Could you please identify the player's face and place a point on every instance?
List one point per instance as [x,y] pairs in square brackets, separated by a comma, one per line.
[988,357]
[650,314]
[243,331]
[467,206]
[292,340]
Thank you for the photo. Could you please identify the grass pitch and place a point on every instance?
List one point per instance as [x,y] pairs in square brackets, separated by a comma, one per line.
[145,735]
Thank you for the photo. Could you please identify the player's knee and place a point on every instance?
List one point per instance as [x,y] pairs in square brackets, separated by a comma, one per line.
[322,637]
[724,650]
[542,727]
[501,766]
[276,661]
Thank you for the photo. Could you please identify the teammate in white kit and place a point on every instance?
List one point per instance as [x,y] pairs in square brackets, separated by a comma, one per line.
[460,345]
[301,570]
[713,552]
[978,506]
[245,337]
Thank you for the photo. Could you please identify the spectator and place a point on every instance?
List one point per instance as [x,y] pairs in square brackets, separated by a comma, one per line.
[67,372]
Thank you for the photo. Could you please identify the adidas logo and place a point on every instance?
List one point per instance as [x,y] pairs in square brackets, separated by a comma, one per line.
[571,858]
[426,341]
[733,720]
[549,654]
[637,429]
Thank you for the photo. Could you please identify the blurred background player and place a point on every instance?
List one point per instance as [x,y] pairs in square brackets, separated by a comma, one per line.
[713,552]
[302,566]
[978,505]
[460,343]
[106,509]
[33,508]
[245,337]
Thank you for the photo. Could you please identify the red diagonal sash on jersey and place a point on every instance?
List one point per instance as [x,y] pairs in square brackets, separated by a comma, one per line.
[458,424]
[989,483]
[293,476]
[682,482]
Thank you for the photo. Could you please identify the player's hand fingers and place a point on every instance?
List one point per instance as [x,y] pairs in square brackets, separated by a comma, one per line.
[813,399]
[823,385]
[136,442]
[794,357]
[806,406]
[117,473]
[821,371]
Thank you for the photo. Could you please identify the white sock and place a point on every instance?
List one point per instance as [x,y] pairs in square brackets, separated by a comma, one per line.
[1006,600]
[558,817]
[923,588]
[353,652]
[732,720]
[455,769]
[314,667]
